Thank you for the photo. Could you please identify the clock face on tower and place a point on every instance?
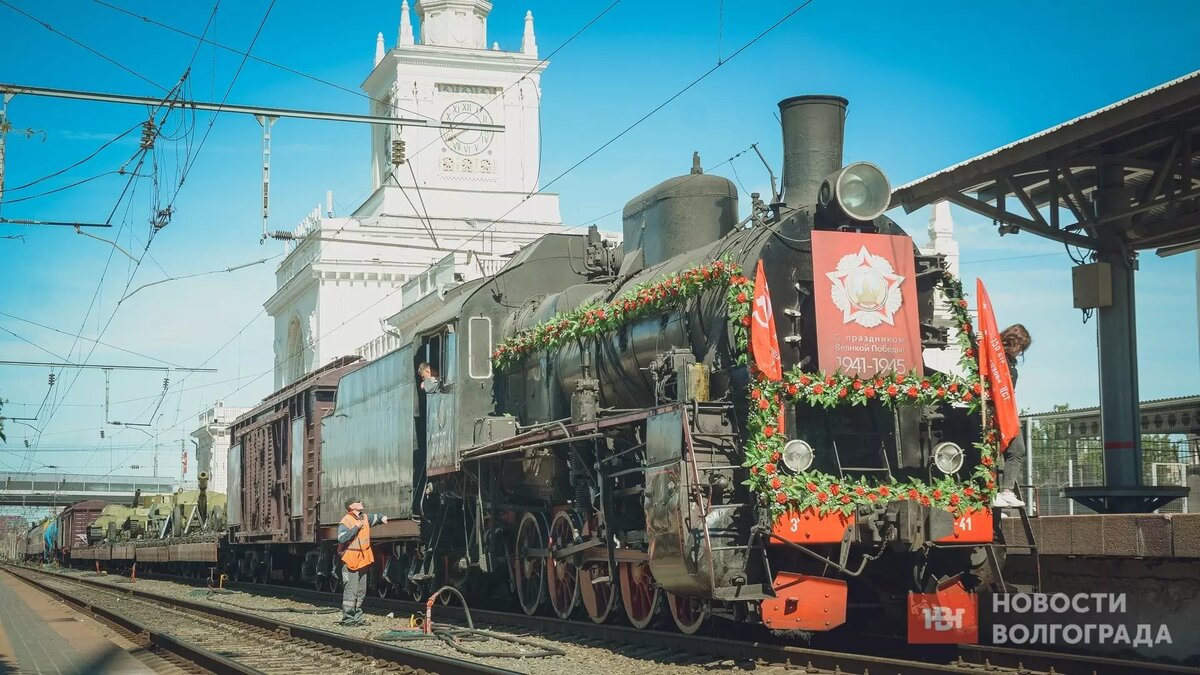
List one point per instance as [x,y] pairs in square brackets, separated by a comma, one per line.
[467,142]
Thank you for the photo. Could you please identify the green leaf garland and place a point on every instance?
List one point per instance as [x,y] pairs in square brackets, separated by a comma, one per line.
[815,490]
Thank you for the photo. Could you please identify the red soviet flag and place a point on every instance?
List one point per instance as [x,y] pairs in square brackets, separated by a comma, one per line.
[763,340]
[993,366]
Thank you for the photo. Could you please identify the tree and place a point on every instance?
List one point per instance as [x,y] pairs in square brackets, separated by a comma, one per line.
[2,438]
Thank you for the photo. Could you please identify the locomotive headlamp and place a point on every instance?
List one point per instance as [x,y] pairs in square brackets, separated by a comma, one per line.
[948,457]
[859,191]
[797,456]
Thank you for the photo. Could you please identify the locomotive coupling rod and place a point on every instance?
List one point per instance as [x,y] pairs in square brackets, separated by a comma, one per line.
[569,551]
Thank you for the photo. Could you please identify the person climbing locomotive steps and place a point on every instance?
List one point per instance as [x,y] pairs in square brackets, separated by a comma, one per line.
[354,547]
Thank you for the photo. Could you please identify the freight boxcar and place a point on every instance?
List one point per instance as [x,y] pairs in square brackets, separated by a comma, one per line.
[73,525]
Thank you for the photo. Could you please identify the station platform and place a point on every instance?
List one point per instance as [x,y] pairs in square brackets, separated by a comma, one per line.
[1167,535]
[41,635]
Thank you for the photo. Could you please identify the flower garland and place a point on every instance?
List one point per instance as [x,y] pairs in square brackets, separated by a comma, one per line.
[819,491]
[825,493]
[644,300]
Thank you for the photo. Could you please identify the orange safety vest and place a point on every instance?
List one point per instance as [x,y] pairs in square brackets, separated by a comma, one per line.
[356,553]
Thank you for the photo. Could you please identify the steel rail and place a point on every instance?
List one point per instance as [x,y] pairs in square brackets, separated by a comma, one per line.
[135,630]
[431,663]
[958,659]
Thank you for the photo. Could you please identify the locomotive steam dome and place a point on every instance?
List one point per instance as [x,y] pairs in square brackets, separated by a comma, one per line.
[679,214]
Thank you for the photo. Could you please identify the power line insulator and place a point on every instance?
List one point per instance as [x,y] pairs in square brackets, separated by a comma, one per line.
[397,152]
[149,133]
[51,379]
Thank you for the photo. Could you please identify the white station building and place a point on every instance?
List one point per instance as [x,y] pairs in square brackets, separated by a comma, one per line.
[459,203]
[461,199]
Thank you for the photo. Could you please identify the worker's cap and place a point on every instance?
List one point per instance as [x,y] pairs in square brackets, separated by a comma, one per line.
[352,501]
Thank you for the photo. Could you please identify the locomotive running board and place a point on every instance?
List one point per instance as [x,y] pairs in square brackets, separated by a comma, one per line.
[561,432]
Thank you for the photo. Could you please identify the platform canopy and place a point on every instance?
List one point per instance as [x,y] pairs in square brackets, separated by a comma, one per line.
[1115,182]
[1047,183]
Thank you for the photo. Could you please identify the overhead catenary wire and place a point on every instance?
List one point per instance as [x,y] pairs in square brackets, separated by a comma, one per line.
[641,119]
[258,59]
[98,53]
[518,81]
[147,142]
[75,164]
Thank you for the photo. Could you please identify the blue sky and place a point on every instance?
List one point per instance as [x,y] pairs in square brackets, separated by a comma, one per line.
[929,85]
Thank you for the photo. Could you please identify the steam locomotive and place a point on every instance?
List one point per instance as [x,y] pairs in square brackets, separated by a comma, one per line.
[648,430]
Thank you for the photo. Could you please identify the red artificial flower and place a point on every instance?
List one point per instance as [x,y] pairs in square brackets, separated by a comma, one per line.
[857,385]
[818,389]
[845,499]
[763,404]
[812,487]
[966,327]
[891,390]
[967,397]
[829,380]
[822,497]
[843,392]
[937,494]
[925,384]
[954,500]
[859,491]
[986,460]
[835,489]
[941,392]
[804,380]
[924,501]
[741,296]
[792,390]
[780,498]
[755,394]
[970,352]
[879,383]
[954,387]
[969,491]
[962,303]
[873,497]
[775,483]
[769,467]
[768,431]
[991,485]
[746,320]
[869,392]
[977,388]
[754,470]
[913,393]
[913,494]
[775,456]
[883,490]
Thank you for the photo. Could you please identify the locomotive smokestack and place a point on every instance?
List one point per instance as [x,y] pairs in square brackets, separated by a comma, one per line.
[813,128]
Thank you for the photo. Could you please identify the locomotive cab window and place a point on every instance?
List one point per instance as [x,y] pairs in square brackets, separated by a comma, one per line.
[437,350]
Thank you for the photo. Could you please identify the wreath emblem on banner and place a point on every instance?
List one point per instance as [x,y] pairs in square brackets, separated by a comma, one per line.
[866,289]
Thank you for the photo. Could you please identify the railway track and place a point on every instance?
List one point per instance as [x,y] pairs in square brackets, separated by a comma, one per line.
[662,649]
[223,640]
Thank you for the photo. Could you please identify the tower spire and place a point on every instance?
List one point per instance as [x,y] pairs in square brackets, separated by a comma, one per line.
[528,41]
[379,49]
[406,29]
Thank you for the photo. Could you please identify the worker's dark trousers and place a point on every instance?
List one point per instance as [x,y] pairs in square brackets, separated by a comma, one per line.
[354,590]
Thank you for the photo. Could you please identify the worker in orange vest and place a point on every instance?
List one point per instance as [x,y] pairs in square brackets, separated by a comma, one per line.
[354,545]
